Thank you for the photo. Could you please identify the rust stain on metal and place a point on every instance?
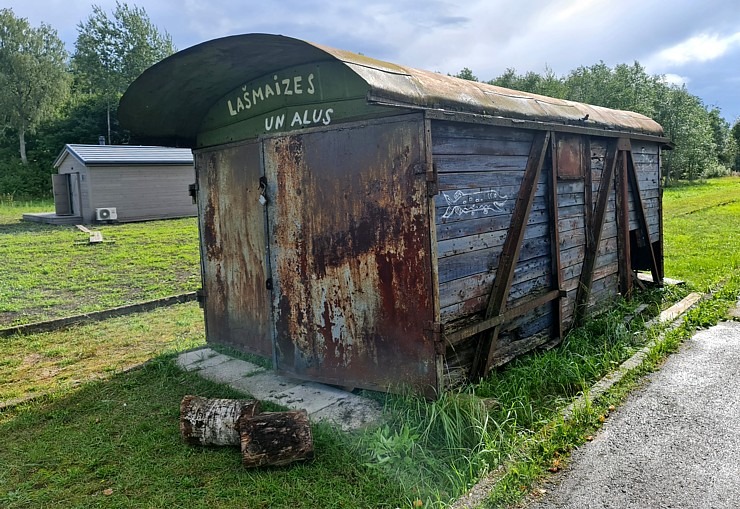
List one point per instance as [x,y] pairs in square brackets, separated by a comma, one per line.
[234,249]
[210,230]
[426,89]
[350,254]
[569,156]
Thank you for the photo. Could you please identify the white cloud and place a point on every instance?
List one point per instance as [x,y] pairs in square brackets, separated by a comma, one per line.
[700,48]
[675,79]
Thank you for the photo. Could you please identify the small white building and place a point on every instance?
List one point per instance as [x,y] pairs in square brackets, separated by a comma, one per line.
[98,183]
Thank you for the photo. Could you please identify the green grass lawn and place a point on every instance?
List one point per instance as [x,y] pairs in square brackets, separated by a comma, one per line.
[115,443]
[102,435]
[45,274]
[702,231]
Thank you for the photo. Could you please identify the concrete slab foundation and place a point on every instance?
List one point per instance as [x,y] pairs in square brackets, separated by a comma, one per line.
[343,409]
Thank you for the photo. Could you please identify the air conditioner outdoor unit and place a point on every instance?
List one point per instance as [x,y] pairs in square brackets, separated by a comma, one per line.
[106,214]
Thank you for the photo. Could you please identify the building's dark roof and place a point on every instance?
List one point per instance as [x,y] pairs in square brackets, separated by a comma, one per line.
[170,99]
[108,155]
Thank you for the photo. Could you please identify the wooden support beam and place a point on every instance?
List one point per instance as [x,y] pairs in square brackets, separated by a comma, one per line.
[623,226]
[464,333]
[589,259]
[588,193]
[642,216]
[556,330]
[510,252]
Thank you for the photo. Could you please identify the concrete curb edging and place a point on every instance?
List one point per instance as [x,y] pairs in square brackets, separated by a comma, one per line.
[479,492]
[96,316]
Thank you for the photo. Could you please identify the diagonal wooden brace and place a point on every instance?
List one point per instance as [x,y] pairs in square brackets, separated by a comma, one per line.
[589,259]
[642,216]
[510,253]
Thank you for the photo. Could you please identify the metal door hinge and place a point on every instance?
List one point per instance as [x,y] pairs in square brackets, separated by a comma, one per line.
[435,332]
[193,192]
[431,178]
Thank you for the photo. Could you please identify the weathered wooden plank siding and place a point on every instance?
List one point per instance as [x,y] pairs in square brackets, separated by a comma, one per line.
[573,242]
[605,282]
[480,170]
[572,231]
[647,164]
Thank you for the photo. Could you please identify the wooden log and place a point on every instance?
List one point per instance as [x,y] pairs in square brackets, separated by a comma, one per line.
[275,438]
[214,421]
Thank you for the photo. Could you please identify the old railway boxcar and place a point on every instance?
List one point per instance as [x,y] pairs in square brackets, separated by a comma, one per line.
[370,225]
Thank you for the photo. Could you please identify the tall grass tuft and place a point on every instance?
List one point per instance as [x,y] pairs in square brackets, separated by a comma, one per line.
[438,449]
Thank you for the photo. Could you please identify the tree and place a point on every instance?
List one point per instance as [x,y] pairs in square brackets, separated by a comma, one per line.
[33,75]
[736,138]
[111,52]
[686,122]
[626,87]
[723,139]
[466,74]
[548,84]
[703,143]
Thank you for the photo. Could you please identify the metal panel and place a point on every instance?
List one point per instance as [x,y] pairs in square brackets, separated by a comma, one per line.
[62,197]
[234,249]
[350,256]
[569,156]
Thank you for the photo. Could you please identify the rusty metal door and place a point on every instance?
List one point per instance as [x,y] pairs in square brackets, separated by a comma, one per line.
[348,227]
[234,248]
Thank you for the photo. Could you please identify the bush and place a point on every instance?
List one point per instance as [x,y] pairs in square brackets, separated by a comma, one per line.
[715,169]
[24,181]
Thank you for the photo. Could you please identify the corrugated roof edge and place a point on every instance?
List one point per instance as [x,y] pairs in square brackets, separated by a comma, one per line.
[152,106]
[106,155]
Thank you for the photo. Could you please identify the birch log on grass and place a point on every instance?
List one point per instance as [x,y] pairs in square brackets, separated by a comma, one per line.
[275,438]
[214,421]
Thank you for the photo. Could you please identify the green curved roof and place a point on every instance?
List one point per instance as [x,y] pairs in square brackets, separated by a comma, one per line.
[170,100]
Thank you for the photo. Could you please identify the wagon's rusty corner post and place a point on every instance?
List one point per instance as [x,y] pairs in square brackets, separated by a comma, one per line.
[623,219]
[434,328]
[556,334]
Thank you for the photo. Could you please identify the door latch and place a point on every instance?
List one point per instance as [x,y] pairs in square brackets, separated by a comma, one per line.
[263,191]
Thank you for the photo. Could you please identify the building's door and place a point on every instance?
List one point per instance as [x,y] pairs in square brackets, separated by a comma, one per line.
[233,248]
[62,195]
[350,256]
[74,192]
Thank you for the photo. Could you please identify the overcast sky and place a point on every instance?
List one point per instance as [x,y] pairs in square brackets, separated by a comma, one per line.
[696,42]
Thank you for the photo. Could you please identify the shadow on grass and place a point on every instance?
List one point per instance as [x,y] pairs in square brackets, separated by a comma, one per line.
[32,227]
[116,443]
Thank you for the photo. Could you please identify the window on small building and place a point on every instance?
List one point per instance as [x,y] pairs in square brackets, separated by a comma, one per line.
[569,156]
